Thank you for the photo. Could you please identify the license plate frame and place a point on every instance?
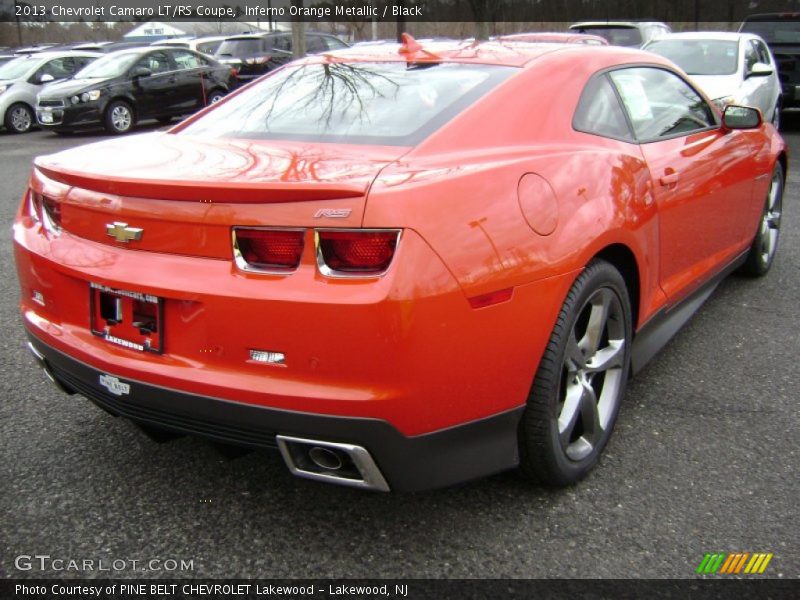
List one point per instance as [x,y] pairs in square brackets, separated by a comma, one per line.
[128,319]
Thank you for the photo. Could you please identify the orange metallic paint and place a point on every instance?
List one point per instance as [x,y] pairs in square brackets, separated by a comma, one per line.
[406,347]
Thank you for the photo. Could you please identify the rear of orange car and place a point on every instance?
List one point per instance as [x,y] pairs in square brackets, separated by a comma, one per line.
[224,285]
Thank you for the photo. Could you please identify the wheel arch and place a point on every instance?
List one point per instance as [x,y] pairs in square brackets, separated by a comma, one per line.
[624,260]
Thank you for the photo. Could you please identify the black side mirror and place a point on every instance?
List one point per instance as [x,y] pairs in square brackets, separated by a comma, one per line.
[741,117]
[141,72]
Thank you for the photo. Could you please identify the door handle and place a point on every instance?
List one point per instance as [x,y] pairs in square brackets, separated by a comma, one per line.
[669,178]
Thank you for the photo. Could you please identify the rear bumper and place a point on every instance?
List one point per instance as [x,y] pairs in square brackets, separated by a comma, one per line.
[408,463]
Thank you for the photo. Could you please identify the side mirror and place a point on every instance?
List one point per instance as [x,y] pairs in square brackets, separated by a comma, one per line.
[741,117]
[46,78]
[141,72]
[759,70]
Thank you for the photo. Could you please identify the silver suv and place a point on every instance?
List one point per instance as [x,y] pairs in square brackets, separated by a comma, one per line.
[22,78]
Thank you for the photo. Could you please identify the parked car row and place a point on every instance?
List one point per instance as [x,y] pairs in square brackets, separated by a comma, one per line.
[60,90]
[156,83]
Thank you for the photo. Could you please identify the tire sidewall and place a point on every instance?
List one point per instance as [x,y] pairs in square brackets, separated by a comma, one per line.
[597,275]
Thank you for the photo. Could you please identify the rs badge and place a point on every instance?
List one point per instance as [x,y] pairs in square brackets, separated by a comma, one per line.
[114,385]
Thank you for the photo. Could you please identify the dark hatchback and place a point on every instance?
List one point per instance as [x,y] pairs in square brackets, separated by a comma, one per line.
[132,85]
[253,55]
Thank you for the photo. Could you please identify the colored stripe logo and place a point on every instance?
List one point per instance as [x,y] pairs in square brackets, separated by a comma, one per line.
[734,563]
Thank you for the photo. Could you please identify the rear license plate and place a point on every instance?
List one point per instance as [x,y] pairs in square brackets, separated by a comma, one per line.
[46,117]
[129,319]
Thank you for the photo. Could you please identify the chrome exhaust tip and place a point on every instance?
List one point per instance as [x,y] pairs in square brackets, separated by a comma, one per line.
[331,462]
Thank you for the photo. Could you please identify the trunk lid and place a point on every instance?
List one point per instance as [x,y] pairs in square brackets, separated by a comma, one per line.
[187,194]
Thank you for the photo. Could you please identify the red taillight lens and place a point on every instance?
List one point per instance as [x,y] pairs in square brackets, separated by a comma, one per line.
[357,252]
[269,249]
[45,210]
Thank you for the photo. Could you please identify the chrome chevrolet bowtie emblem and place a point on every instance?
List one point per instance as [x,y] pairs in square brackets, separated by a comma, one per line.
[122,233]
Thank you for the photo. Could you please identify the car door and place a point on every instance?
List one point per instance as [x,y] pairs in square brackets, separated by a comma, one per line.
[190,73]
[154,93]
[702,175]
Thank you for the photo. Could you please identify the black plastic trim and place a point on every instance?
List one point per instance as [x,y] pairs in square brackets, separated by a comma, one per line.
[432,460]
[661,327]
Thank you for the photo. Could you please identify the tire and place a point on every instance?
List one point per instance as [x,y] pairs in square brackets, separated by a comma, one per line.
[765,243]
[19,118]
[214,97]
[119,117]
[554,448]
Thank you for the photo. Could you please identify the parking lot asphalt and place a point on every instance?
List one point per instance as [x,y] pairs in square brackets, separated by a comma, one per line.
[704,459]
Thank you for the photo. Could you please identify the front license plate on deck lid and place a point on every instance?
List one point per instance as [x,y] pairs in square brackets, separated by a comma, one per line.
[129,319]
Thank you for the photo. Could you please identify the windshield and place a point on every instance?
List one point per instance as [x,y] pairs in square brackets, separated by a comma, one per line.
[371,103]
[111,65]
[616,36]
[700,57]
[19,67]
[785,31]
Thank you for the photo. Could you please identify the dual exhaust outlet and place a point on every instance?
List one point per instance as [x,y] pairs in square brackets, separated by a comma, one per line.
[331,462]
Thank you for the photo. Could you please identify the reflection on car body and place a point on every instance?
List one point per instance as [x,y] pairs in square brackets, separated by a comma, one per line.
[404,266]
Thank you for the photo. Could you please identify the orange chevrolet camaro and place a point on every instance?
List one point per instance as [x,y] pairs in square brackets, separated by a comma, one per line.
[403,266]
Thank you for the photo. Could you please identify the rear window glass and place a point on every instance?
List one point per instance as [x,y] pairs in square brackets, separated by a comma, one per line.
[361,103]
[700,57]
[240,47]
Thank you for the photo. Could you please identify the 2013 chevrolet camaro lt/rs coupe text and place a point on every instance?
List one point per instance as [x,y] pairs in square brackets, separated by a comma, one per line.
[403,266]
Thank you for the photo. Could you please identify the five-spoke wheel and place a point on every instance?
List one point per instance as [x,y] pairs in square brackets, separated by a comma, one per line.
[581,379]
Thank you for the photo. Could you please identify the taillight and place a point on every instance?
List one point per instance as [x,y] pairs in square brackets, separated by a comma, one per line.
[355,252]
[45,210]
[271,250]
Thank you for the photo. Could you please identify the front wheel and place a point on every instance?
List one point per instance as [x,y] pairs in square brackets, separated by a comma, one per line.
[119,117]
[19,118]
[765,243]
[580,381]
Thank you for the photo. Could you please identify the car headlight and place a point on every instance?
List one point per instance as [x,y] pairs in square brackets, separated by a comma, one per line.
[3,88]
[724,101]
[75,99]
[90,96]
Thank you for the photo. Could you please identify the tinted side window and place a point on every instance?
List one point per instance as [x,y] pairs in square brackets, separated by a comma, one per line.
[660,104]
[185,60]
[157,62]
[315,44]
[599,111]
[750,57]
[763,53]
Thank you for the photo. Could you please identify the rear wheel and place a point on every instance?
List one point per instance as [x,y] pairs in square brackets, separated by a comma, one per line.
[19,118]
[580,381]
[215,96]
[765,244]
[119,117]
